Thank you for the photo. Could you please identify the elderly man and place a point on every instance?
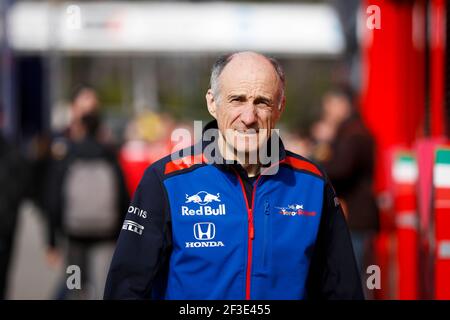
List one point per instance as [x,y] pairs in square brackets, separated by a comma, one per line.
[232,225]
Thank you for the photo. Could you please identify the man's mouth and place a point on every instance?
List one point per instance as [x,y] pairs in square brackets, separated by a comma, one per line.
[247,131]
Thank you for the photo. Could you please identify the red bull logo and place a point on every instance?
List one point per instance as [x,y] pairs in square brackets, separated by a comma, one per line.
[203,198]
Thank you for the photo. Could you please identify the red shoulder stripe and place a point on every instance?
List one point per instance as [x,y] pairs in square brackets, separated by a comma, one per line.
[302,165]
[184,163]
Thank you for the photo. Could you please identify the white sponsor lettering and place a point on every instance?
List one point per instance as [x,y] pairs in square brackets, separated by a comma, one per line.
[133,227]
[204,211]
[139,212]
[204,244]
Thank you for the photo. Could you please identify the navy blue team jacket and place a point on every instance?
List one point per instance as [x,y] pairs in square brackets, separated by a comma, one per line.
[199,230]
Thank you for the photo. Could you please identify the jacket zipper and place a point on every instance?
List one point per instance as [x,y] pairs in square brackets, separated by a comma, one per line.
[251,234]
[266,231]
[251,227]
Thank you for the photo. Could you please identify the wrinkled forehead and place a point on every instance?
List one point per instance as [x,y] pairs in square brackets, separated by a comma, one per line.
[250,73]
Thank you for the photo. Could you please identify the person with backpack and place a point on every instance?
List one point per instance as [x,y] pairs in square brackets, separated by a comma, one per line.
[53,150]
[87,198]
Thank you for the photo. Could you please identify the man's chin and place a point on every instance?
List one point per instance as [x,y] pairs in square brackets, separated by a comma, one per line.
[245,146]
[247,151]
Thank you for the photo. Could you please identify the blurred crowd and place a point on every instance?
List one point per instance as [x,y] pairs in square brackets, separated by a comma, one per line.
[69,167]
[341,143]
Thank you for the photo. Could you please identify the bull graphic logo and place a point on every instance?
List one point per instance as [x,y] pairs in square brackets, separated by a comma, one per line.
[202,198]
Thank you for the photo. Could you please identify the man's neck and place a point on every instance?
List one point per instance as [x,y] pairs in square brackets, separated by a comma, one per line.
[252,169]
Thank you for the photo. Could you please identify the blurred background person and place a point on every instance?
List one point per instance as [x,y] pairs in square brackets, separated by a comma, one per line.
[147,139]
[322,135]
[298,142]
[347,153]
[86,196]
[83,100]
[14,184]
[47,149]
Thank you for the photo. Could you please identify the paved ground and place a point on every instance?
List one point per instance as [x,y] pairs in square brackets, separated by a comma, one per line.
[30,275]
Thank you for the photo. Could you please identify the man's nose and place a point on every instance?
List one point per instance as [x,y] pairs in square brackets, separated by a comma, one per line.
[248,116]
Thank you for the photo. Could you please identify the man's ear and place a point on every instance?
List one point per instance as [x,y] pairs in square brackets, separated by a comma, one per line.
[281,107]
[211,103]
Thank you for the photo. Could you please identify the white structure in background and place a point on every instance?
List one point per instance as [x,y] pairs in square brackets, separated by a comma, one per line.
[130,27]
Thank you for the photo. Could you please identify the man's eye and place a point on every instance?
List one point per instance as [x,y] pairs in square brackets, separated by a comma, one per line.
[235,101]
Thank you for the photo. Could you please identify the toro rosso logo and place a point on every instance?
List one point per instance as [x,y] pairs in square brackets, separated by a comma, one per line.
[202,198]
[295,210]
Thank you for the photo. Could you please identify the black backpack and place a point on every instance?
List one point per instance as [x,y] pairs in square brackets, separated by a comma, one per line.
[90,190]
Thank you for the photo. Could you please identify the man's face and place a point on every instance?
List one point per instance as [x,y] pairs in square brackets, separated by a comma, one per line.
[248,103]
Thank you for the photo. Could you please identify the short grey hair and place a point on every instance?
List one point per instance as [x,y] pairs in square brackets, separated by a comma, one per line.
[222,62]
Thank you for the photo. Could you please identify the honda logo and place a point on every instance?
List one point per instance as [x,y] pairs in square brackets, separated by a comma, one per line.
[204,231]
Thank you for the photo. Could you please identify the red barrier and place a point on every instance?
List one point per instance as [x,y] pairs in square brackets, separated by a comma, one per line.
[441,205]
[404,180]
